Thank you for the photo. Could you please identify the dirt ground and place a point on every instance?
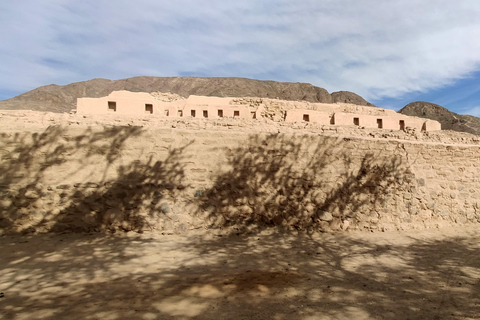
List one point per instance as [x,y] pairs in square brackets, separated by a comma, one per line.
[266,274]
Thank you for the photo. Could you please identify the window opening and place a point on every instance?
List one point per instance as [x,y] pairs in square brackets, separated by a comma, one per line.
[192,113]
[380,123]
[402,124]
[148,108]
[112,106]
[236,113]
[220,113]
[306,117]
[205,113]
[356,121]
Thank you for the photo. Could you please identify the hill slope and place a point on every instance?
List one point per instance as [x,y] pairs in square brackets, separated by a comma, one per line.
[449,120]
[56,98]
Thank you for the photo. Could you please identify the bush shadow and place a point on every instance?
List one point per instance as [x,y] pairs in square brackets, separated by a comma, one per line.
[109,193]
[268,275]
[305,182]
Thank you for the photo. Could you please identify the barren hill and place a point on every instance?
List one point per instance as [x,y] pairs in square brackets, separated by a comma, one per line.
[56,98]
[449,120]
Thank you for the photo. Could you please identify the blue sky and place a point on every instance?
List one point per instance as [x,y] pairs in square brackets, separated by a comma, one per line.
[389,52]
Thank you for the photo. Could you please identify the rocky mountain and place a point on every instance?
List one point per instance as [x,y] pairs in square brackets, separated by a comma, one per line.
[350,97]
[449,120]
[56,98]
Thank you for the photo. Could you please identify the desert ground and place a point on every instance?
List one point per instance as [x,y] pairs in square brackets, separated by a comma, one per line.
[262,274]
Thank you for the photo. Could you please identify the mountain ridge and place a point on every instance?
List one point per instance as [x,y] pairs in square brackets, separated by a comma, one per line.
[56,98]
[449,120]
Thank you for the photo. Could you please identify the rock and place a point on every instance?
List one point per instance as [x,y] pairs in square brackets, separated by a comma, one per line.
[335,224]
[165,208]
[21,203]
[90,218]
[113,216]
[112,202]
[91,185]
[310,208]
[126,226]
[421,182]
[461,220]
[39,204]
[60,227]
[278,220]
[63,187]
[31,194]
[199,193]
[324,226]
[181,228]
[78,194]
[345,225]
[174,217]
[6,203]
[325,216]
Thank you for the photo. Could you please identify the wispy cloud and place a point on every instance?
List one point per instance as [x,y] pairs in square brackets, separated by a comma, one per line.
[475,111]
[374,48]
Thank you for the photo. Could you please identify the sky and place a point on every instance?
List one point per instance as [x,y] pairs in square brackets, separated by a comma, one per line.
[389,52]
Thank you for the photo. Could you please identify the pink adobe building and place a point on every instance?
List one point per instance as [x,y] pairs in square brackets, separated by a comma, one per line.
[141,103]
[381,119]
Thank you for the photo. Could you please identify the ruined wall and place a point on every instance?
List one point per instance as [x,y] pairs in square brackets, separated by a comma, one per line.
[129,178]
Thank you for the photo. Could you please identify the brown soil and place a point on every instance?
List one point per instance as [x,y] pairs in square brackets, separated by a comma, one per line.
[429,274]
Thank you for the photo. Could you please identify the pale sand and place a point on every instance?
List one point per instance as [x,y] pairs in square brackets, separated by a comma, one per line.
[430,274]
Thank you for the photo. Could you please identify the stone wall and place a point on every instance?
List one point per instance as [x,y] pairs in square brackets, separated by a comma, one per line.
[129,178]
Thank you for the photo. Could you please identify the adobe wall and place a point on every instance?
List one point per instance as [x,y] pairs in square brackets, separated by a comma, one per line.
[130,178]
[391,122]
[381,121]
[165,106]
[125,102]
[299,115]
